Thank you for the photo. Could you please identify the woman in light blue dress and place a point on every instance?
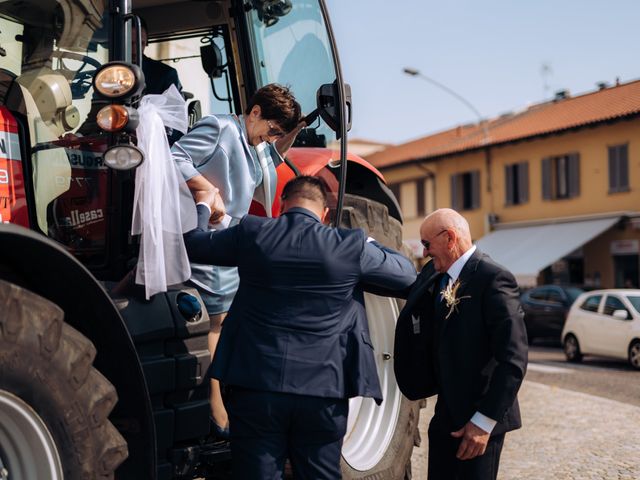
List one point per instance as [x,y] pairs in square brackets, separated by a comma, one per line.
[235,156]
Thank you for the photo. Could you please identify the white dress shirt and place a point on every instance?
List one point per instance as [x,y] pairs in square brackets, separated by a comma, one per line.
[482,421]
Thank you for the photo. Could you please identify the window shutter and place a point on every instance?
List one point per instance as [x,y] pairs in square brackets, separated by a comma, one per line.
[623,167]
[454,192]
[420,209]
[574,175]
[546,178]
[508,184]
[523,182]
[613,169]
[475,189]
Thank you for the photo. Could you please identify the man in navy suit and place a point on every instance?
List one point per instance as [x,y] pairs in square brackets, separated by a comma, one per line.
[295,344]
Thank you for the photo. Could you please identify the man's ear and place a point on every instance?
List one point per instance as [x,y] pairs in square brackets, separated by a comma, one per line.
[325,212]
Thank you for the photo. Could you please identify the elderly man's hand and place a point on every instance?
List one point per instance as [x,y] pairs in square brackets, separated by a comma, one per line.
[214,200]
[474,441]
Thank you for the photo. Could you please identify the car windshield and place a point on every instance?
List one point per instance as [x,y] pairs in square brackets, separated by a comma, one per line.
[635,301]
[573,293]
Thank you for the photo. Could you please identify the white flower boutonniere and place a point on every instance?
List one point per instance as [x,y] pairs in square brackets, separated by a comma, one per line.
[449,296]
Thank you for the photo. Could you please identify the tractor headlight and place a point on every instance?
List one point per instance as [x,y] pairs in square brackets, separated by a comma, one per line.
[123,157]
[118,81]
[114,118]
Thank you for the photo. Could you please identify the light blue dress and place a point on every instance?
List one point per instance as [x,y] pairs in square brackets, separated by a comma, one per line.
[217,148]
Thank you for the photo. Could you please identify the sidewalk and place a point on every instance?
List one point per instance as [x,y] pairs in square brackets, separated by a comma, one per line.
[566,435]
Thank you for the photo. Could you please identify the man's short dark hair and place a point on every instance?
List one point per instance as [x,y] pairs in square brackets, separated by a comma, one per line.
[307,187]
[277,103]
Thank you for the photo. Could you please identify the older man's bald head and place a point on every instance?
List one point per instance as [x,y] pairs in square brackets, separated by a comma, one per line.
[446,236]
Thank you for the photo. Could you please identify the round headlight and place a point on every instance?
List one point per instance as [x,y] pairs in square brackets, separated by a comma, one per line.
[115,81]
[113,118]
[123,157]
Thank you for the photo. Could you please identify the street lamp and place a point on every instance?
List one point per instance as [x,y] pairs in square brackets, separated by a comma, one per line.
[416,73]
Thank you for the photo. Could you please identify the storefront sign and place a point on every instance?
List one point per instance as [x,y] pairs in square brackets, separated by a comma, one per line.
[625,247]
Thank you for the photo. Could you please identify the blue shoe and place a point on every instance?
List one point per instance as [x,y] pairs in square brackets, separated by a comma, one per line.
[217,431]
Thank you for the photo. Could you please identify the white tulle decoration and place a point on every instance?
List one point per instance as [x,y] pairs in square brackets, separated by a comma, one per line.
[163,208]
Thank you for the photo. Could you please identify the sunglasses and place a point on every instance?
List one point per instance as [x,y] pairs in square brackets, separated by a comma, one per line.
[427,243]
[274,131]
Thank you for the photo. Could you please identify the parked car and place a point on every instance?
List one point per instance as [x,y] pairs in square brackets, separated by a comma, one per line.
[604,322]
[545,309]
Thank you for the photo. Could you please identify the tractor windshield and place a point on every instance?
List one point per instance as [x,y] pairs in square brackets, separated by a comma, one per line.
[49,52]
[291,47]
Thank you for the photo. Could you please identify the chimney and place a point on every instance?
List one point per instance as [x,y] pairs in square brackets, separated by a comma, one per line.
[561,95]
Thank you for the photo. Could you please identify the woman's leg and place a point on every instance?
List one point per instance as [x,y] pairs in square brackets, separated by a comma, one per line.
[218,411]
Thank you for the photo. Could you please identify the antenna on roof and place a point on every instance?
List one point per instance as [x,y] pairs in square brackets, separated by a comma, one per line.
[545,72]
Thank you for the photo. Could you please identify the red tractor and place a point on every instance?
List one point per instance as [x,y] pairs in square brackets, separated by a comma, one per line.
[96,381]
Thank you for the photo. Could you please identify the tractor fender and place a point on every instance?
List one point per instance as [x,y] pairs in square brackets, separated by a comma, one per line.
[40,265]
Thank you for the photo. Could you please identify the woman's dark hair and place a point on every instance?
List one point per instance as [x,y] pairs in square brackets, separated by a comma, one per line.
[277,103]
[305,186]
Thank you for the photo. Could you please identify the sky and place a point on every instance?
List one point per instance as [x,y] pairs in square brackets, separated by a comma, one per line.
[499,55]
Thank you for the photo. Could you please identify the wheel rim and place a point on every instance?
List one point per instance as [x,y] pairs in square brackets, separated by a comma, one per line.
[370,427]
[570,347]
[27,449]
[634,355]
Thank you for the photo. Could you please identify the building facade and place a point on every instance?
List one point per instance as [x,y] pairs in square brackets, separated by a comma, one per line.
[552,192]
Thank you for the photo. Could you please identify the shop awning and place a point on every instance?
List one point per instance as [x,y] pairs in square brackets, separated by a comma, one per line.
[527,250]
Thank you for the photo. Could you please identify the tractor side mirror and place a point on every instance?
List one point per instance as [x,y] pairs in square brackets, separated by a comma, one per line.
[211,59]
[327,103]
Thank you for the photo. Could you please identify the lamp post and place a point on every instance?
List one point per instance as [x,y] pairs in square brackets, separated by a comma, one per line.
[416,73]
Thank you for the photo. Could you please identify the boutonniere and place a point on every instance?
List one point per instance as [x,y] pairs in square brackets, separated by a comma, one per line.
[449,296]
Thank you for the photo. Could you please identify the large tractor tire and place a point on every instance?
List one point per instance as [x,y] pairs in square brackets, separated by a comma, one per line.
[379,439]
[54,405]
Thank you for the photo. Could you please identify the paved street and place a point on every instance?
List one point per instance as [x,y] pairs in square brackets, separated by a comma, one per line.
[568,434]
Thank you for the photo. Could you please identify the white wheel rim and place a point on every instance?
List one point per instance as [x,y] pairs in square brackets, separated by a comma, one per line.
[27,449]
[370,427]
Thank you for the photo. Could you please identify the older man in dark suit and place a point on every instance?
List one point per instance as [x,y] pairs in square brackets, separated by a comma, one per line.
[461,335]
[295,344]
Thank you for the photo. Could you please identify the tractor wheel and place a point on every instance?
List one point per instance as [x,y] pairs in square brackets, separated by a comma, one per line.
[379,439]
[54,405]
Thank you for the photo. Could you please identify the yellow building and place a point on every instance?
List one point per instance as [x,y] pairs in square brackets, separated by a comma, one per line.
[552,192]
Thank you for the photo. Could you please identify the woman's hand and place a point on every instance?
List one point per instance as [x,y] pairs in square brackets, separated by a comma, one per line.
[283,144]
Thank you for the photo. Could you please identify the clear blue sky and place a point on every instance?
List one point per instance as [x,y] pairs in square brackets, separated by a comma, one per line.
[491,52]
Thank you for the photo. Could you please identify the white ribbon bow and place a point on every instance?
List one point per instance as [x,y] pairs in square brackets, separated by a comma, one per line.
[163,208]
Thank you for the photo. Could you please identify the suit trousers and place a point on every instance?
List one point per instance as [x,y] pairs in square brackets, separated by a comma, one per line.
[268,427]
[443,464]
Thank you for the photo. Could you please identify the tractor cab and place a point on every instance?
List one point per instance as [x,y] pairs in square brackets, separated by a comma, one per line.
[104,382]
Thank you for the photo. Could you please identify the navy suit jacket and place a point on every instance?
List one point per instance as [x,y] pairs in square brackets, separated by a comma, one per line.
[297,323]
[476,359]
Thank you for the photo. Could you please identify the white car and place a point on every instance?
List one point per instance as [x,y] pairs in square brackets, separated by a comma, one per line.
[606,323]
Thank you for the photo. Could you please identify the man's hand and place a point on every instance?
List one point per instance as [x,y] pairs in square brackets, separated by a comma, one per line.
[214,200]
[283,144]
[474,441]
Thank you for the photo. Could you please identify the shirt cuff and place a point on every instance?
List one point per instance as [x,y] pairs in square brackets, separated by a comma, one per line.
[204,204]
[483,422]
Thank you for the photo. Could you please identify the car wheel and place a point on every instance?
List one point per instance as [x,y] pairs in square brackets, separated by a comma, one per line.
[572,349]
[634,354]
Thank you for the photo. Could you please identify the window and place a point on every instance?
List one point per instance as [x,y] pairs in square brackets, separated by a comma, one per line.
[591,303]
[612,304]
[561,177]
[465,190]
[619,168]
[555,296]
[516,183]
[420,203]
[635,301]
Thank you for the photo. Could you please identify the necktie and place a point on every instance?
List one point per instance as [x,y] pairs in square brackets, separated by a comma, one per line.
[442,284]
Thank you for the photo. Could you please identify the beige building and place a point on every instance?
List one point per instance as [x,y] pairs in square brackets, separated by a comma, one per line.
[551,192]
